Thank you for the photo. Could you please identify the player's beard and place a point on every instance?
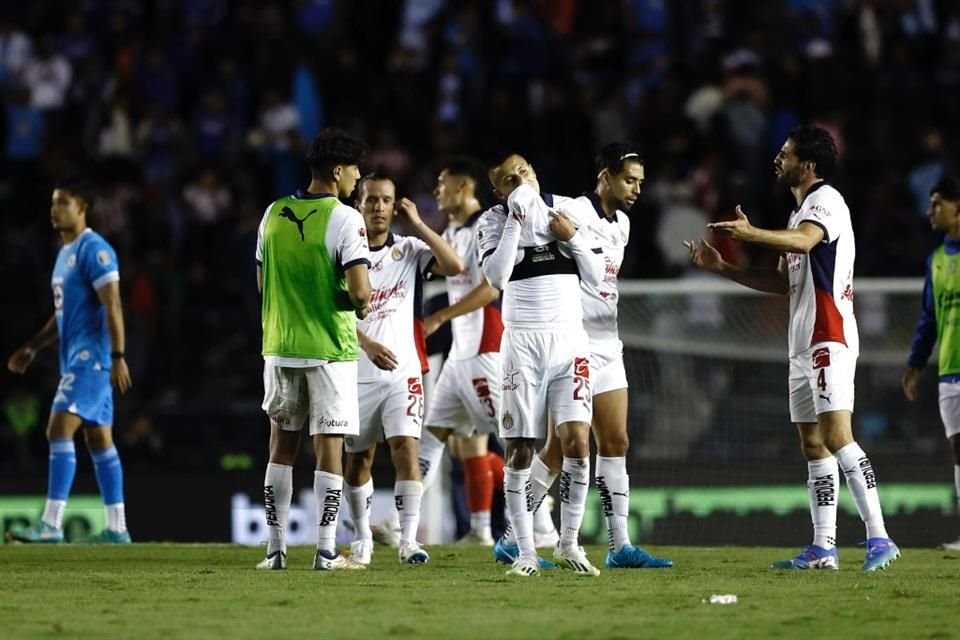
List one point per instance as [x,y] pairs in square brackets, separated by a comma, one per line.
[789,177]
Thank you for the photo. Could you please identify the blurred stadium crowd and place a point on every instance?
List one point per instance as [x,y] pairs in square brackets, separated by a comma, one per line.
[193,115]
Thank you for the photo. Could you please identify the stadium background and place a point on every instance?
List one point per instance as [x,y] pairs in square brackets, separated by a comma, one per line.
[193,115]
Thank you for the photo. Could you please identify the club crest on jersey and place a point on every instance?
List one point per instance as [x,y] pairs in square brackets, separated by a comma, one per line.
[821,358]
[103,257]
[396,253]
[71,261]
[507,421]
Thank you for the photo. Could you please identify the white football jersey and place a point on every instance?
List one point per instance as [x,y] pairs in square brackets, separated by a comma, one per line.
[821,282]
[544,287]
[600,302]
[395,317]
[478,331]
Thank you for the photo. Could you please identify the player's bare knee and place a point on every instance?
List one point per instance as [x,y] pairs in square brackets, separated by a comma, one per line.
[404,454]
[329,452]
[357,468]
[441,433]
[574,439]
[97,438]
[520,453]
[473,446]
[613,445]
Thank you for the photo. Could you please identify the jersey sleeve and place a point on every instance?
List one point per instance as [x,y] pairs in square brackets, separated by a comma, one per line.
[925,334]
[263,224]
[489,230]
[350,247]
[825,212]
[424,257]
[624,220]
[99,263]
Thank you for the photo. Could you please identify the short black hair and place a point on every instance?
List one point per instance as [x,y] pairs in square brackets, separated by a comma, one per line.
[615,156]
[815,144]
[331,148]
[79,187]
[373,176]
[948,187]
[468,167]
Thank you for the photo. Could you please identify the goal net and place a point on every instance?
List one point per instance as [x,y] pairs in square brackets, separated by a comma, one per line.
[714,457]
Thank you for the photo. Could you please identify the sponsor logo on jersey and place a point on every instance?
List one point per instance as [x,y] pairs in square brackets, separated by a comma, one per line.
[819,211]
[414,386]
[509,377]
[325,422]
[821,358]
[581,367]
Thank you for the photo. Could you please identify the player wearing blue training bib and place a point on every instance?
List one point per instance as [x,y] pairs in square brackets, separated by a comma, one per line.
[88,323]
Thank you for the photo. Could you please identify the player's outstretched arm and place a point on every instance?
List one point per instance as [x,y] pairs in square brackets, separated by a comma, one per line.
[590,263]
[21,359]
[109,295]
[378,353]
[799,240]
[478,297]
[705,256]
[448,263]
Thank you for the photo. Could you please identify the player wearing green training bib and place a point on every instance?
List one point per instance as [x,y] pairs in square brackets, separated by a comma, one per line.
[940,320]
[312,260]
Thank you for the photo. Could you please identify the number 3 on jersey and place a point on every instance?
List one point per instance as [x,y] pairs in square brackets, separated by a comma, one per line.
[415,398]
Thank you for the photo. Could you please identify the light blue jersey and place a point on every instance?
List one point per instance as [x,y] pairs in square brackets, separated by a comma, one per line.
[83,266]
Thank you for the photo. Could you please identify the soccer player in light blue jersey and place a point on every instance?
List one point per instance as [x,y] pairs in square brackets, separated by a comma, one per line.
[88,323]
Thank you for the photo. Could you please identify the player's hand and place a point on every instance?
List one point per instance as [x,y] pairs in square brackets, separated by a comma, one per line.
[431,323]
[739,228]
[21,359]
[409,209]
[561,226]
[910,381]
[362,312]
[120,375]
[703,255]
[379,355]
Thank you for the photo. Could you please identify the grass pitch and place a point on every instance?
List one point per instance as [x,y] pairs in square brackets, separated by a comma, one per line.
[213,591]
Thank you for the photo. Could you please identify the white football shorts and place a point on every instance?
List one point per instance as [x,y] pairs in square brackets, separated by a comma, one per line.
[466,397]
[389,408]
[950,407]
[543,370]
[326,394]
[607,371]
[821,380]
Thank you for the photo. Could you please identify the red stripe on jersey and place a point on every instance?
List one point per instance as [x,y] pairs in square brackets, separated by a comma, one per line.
[828,323]
[420,340]
[492,330]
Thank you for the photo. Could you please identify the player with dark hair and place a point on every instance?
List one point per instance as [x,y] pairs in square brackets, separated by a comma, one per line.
[620,175]
[312,261]
[88,322]
[533,250]
[393,359]
[816,272]
[940,319]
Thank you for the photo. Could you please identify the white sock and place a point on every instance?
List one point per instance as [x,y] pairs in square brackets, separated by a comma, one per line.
[328,490]
[862,482]
[360,499]
[277,493]
[430,457]
[956,483]
[116,517]
[574,483]
[541,479]
[53,513]
[823,487]
[519,499]
[480,523]
[613,484]
[407,494]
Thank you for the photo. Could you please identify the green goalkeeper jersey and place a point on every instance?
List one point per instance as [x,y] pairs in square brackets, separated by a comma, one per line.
[305,245]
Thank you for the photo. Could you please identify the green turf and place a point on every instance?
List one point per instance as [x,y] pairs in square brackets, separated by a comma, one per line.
[201,591]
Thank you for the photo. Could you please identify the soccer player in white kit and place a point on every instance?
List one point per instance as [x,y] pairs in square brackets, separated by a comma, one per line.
[466,398]
[532,250]
[816,272]
[620,175]
[392,360]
